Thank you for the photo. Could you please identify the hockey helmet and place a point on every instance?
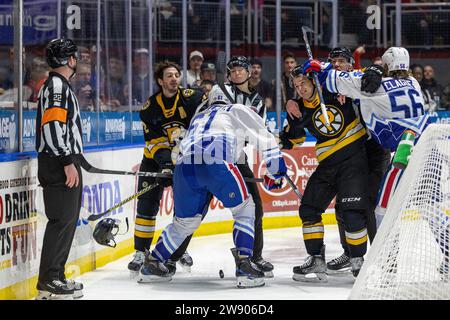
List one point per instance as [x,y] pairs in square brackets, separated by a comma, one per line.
[106,230]
[59,51]
[238,61]
[341,52]
[396,58]
[217,96]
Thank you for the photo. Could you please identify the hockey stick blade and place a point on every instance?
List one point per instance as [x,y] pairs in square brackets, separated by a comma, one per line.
[94,217]
[294,187]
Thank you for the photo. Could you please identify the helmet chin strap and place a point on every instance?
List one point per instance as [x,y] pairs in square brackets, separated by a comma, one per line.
[238,84]
[74,69]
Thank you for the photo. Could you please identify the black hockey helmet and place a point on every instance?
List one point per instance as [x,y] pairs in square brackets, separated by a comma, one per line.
[59,51]
[341,52]
[238,61]
[106,230]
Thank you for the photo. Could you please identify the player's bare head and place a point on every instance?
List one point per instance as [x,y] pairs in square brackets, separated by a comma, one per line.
[341,58]
[302,83]
[289,62]
[396,60]
[168,75]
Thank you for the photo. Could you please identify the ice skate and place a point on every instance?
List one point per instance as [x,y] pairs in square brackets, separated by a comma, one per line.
[313,270]
[264,266]
[339,265]
[186,262]
[248,274]
[135,265]
[54,290]
[76,286]
[356,264]
[153,271]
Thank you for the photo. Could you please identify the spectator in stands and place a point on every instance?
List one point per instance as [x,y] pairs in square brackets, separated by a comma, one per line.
[38,74]
[85,55]
[115,84]
[141,76]
[82,87]
[193,74]
[170,19]
[430,84]
[445,102]
[417,72]
[262,87]
[208,72]
[207,85]
[287,90]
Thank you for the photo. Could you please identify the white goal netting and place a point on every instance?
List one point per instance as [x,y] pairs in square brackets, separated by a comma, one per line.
[409,258]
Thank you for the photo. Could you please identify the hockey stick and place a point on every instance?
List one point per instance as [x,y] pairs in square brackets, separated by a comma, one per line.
[220,74]
[305,30]
[294,187]
[91,169]
[94,217]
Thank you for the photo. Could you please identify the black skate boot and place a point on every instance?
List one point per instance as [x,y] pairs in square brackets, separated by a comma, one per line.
[356,264]
[264,266]
[171,265]
[186,262]
[248,274]
[153,271]
[76,286]
[135,265]
[340,264]
[54,290]
[313,270]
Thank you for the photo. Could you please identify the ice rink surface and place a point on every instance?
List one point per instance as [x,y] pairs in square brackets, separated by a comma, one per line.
[283,247]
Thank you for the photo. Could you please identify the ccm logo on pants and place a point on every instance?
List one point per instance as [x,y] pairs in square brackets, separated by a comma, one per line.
[351,199]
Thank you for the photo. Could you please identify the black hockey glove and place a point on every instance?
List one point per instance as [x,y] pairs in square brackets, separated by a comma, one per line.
[167,167]
[371,79]
[285,143]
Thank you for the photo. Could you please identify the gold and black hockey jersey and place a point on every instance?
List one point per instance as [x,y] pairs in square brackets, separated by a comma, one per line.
[166,119]
[344,136]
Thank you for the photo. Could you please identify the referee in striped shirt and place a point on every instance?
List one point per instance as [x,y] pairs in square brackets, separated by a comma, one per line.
[59,146]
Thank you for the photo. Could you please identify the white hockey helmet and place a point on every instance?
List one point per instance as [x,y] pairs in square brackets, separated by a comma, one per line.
[396,58]
[216,96]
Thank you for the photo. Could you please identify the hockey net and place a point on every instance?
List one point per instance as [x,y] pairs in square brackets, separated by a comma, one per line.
[409,256]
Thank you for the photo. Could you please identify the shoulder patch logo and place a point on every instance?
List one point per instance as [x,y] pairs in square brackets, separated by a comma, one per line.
[146,105]
[188,92]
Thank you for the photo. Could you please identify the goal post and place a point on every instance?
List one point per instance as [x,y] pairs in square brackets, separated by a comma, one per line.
[409,258]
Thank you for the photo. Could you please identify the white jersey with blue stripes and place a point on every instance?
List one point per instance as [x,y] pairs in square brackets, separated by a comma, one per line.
[397,105]
[221,131]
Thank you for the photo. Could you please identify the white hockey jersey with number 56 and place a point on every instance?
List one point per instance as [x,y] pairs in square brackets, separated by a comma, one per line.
[397,105]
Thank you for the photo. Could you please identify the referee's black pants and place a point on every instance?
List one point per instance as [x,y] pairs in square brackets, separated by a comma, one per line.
[252,187]
[62,208]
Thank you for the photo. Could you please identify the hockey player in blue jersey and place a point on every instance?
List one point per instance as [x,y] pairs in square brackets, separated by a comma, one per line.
[388,111]
[207,165]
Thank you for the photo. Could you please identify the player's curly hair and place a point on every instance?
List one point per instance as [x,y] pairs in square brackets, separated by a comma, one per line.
[161,66]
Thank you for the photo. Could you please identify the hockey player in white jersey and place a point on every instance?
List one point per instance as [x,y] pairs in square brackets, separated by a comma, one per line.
[207,165]
[395,108]
[238,90]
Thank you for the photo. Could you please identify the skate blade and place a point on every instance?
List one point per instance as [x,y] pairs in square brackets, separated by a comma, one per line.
[44,295]
[184,267]
[152,279]
[342,271]
[311,277]
[245,282]
[77,294]
[268,274]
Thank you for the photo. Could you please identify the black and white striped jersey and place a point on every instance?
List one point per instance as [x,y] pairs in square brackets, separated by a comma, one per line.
[252,100]
[58,121]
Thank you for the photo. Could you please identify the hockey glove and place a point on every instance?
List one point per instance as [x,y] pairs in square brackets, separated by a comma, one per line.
[371,79]
[277,170]
[272,182]
[165,168]
[312,66]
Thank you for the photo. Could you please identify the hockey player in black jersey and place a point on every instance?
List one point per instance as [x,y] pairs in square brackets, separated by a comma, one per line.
[342,172]
[342,59]
[165,117]
[239,91]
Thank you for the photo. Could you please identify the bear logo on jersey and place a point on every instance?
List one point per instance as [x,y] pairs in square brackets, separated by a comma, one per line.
[336,121]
